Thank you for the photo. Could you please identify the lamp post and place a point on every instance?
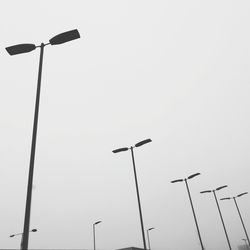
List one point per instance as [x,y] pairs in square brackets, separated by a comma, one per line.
[94,232]
[13,235]
[189,195]
[234,198]
[148,237]
[136,182]
[24,48]
[217,189]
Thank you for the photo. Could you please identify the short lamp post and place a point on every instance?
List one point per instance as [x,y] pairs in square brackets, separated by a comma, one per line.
[222,221]
[24,48]
[190,199]
[237,207]
[149,247]
[136,182]
[96,223]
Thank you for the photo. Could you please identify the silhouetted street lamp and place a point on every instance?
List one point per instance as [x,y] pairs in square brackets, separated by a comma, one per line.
[247,246]
[234,198]
[196,223]
[148,237]
[136,182]
[217,189]
[13,235]
[94,231]
[24,48]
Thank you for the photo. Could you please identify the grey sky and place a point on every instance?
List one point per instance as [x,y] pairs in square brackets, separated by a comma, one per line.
[173,71]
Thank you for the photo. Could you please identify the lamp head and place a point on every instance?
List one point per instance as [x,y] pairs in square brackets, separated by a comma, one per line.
[119,150]
[97,222]
[219,188]
[239,195]
[20,48]
[193,175]
[65,37]
[34,230]
[206,191]
[178,180]
[227,198]
[143,142]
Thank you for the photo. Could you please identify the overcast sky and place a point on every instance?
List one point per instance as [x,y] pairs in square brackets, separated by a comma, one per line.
[177,72]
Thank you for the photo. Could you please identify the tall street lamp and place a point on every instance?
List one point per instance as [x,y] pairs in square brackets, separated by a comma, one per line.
[217,189]
[24,48]
[13,235]
[94,232]
[234,198]
[196,223]
[136,182]
[148,237]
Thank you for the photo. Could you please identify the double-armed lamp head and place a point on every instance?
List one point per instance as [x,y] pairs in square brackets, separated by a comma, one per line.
[189,177]
[13,235]
[217,189]
[229,198]
[58,39]
[136,145]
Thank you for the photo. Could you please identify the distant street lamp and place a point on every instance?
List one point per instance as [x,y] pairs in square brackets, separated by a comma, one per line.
[234,198]
[149,248]
[24,48]
[94,231]
[136,182]
[196,223]
[247,246]
[13,235]
[217,189]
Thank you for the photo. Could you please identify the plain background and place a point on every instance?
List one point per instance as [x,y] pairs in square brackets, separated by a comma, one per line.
[173,71]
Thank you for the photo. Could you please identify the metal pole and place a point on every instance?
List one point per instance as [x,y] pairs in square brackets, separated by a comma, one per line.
[21,242]
[196,223]
[148,240]
[222,220]
[138,198]
[94,235]
[241,220]
[32,157]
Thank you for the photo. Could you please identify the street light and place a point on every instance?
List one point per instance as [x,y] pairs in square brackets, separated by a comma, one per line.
[136,182]
[94,231]
[234,198]
[247,246]
[196,223]
[148,236]
[13,235]
[217,189]
[24,48]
